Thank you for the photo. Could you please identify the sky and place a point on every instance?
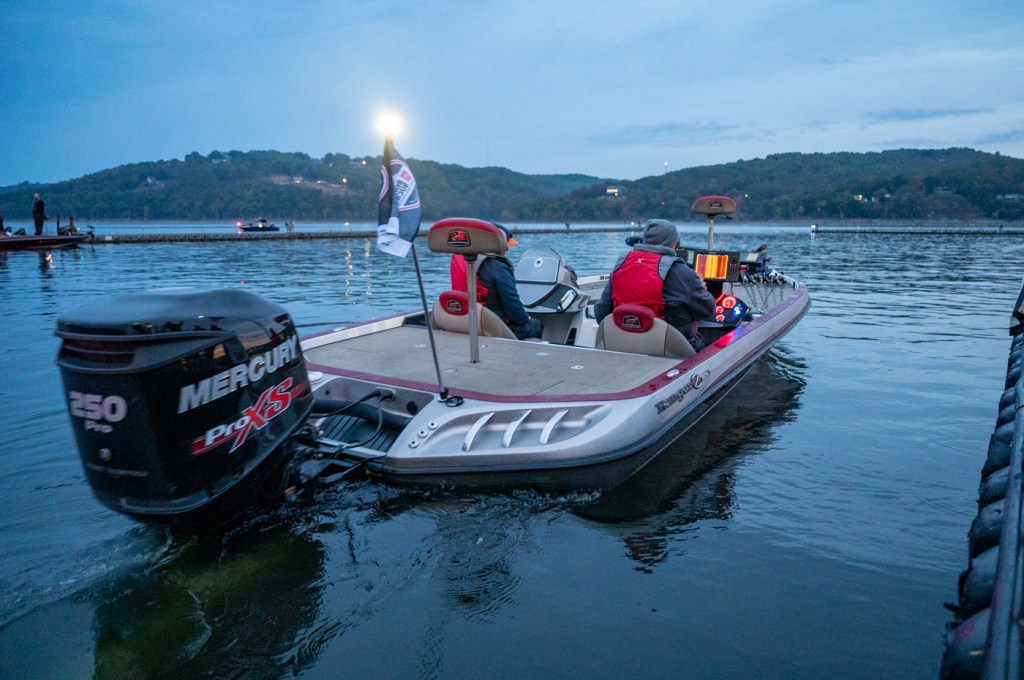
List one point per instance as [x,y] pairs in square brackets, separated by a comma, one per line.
[619,90]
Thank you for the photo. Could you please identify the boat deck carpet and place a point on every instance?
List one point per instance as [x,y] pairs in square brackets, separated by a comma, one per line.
[506,367]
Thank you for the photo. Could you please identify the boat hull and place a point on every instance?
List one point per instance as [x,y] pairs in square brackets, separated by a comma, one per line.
[591,419]
[42,242]
[607,470]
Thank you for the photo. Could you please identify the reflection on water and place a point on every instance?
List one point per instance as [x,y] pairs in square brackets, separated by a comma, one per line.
[46,265]
[693,479]
[221,608]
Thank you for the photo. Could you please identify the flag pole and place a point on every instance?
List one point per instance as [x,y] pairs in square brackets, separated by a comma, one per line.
[398,221]
[442,390]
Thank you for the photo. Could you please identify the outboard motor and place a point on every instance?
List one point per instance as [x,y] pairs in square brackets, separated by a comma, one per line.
[183,400]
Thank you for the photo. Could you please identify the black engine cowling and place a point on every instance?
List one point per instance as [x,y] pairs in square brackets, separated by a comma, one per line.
[182,400]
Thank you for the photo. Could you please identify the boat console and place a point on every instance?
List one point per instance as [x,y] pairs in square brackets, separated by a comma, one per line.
[713,265]
[719,269]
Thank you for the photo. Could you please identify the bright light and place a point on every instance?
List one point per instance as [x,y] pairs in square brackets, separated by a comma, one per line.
[389,124]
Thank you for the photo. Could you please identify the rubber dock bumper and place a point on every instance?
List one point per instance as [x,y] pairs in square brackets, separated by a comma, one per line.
[984,639]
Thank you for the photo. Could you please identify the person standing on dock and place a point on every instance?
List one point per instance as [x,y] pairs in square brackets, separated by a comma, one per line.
[38,214]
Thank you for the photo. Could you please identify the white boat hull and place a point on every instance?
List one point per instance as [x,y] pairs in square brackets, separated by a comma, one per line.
[588,415]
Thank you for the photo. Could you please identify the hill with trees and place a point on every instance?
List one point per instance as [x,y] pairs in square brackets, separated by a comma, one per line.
[293,186]
[902,184]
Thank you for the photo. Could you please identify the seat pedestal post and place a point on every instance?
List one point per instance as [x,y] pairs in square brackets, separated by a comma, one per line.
[474,336]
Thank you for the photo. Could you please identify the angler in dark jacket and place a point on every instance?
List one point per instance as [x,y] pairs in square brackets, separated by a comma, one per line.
[496,289]
[652,275]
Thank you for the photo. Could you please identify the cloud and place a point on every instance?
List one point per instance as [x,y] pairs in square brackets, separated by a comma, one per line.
[1002,137]
[903,115]
[667,134]
[910,143]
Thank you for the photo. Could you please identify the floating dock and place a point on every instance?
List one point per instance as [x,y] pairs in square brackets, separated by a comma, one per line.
[310,235]
[208,237]
[918,231]
[231,236]
[984,640]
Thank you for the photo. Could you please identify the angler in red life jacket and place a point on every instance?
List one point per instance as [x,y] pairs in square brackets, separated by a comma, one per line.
[496,289]
[652,275]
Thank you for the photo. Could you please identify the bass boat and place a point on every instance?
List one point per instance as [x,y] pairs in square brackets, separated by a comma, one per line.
[259,225]
[10,241]
[189,405]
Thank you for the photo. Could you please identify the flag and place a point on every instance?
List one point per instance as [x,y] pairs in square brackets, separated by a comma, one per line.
[398,218]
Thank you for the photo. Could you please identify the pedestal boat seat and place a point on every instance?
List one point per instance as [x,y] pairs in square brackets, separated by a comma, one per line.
[635,329]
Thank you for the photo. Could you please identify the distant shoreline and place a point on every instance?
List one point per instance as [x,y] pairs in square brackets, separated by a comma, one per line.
[172,231]
[821,222]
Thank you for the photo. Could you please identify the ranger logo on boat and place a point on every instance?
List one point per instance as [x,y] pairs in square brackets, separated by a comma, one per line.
[454,306]
[458,238]
[696,380]
[632,322]
[238,376]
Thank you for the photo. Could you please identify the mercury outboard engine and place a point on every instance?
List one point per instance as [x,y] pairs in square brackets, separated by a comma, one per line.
[183,400]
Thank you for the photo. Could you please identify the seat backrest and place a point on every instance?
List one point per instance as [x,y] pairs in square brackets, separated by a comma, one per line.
[636,329]
[451,313]
[467,236]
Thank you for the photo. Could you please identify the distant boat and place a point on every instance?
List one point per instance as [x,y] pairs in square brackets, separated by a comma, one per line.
[259,225]
[10,241]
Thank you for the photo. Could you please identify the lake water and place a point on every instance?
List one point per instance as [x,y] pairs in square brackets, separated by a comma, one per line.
[811,527]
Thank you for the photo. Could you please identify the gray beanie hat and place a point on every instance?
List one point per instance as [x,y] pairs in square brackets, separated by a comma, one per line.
[660,233]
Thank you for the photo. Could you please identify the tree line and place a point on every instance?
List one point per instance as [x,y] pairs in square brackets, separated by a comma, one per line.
[902,184]
[954,183]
